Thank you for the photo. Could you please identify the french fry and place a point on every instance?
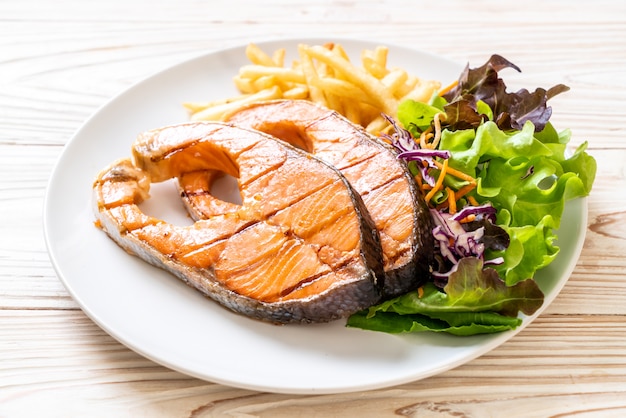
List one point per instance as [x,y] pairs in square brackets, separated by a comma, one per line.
[374,68]
[377,125]
[312,78]
[244,85]
[265,82]
[340,51]
[365,81]
[323,74]
[344,89]
[352,113]
[194,107]
[258,57]
[407,86]
[369,112]
[217,112]
[395,79]
[380,55]
[299,92]
[285,74]
[375,62]
[279,57]
[422,92]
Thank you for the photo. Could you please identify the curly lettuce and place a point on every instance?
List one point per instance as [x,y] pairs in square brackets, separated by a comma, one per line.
[519,173]
[522,168]
[475,300]
[527,181]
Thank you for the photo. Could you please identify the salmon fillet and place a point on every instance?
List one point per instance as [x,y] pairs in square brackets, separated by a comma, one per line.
[370,166]
[296,250]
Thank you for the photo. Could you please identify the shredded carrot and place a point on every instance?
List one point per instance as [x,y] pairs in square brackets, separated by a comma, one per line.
[424,137]
[472,200]
[448,87]
[425,142]
[464,190]
[439,182]
[451,201]
[437,137]
[456,173]
[418,180]
[420,292]
[468,218]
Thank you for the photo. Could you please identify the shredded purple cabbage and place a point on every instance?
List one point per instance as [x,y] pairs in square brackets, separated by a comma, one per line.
[409,150]
[424,154]
[455,243]
[452,240]
[401,139]
[486,210]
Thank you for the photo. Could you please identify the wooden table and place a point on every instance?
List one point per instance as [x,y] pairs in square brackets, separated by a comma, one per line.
[60,61]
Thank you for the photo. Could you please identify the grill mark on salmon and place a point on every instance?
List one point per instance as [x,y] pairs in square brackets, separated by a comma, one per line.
[200,183]
[372,168]
[288,253]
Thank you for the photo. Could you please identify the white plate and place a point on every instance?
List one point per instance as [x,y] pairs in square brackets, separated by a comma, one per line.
[159,317]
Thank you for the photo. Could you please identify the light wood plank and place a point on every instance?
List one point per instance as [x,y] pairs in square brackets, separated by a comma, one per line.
[60,61]
[557,361]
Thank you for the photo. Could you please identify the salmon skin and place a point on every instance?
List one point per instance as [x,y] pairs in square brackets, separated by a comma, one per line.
[297,250]
[370,165]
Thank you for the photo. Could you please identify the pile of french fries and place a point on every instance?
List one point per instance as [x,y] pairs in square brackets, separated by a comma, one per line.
[325,75]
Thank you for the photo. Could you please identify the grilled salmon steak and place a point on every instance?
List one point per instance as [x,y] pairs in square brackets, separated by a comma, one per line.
[372,168]
[300,247]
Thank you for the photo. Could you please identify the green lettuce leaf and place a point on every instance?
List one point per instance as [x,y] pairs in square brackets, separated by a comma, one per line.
[417,115]
[473,323]
[531,248]
[528,178]
[529,188]
[470,147]
[474,301]
[523,168]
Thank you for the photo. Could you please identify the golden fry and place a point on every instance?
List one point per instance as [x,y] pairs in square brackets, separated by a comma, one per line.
[338,50]
[395,79]
[373,68]
[218,111]
[258,57]
[312,78]
[352,112]
[380,55]
[342,88]
[279,57]
[422,92]
[194,107]
[377,125]
[285,74]
[323,74]
[363,80]
[375,62]
[244,85]
[407,86]
[299,92]
[264,82]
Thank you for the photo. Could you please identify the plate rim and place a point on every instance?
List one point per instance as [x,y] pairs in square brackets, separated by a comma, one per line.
[493,342]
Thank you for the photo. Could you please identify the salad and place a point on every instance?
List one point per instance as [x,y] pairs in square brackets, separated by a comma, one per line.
[496,175]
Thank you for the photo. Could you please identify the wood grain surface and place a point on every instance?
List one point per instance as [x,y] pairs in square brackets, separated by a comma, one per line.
[60,61]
